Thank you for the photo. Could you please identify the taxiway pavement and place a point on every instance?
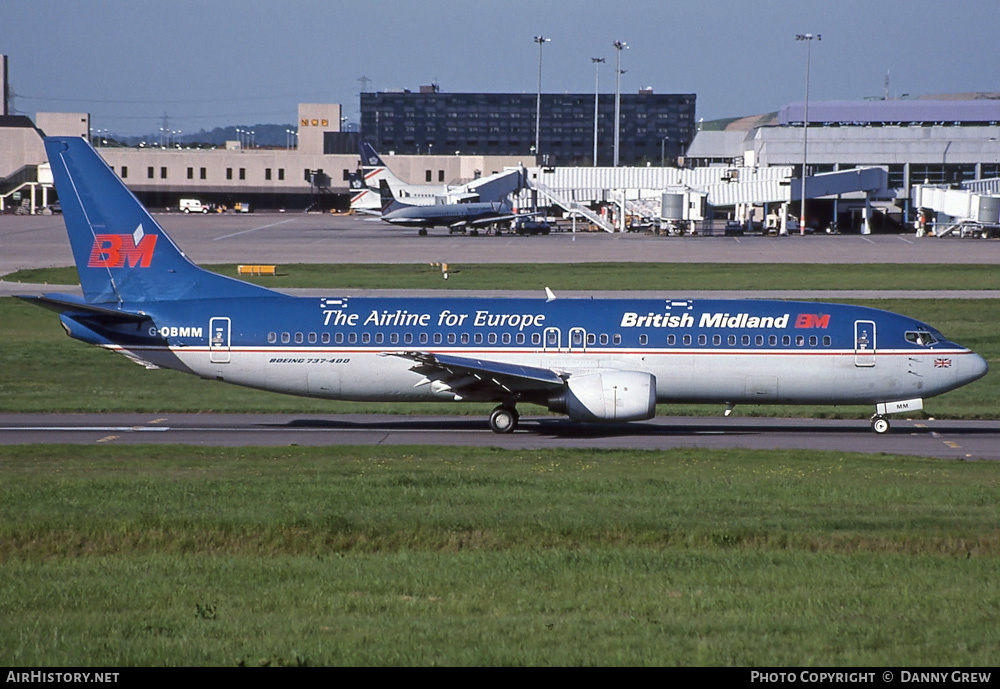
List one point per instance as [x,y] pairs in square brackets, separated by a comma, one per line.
[274,238]
[955,440]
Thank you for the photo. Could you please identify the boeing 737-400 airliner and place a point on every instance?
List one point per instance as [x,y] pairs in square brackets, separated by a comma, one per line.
[593,360]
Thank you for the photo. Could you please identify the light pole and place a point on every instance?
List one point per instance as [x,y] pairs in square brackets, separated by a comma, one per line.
[807,37]
[619,47]
[598,61]
[662,145]
[540,40]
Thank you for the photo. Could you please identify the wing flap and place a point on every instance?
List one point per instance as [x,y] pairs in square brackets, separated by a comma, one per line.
[470,373]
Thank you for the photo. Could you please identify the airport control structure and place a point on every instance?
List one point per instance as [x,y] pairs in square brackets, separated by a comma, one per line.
[926,166]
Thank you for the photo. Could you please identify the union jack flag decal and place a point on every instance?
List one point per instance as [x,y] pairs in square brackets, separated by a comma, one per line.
[942,363]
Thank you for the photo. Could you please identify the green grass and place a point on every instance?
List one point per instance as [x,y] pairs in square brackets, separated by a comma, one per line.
[42,370]
[598,276]
[166,555]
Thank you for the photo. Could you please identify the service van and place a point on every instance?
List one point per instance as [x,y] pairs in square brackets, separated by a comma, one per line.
[193,206]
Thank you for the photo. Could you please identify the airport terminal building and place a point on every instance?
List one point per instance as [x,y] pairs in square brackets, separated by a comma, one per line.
[921,141]
[293,178]
[655,127]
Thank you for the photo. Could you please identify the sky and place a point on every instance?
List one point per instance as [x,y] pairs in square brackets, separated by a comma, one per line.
[209,63]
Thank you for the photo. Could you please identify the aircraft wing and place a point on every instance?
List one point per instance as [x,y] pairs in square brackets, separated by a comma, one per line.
[467,376]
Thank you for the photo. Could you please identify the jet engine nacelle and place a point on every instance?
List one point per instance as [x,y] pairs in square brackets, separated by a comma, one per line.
[608,396]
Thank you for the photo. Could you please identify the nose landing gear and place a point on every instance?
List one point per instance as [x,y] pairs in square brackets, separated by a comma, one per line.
[880,424]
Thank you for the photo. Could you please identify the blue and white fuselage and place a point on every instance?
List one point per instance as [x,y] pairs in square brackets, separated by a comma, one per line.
[592,359]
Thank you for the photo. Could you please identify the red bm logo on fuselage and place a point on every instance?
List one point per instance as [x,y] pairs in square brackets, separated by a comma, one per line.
[115,250]
[812,320]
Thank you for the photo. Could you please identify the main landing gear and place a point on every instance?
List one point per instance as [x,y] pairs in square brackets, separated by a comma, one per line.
[880,424]
[503,419]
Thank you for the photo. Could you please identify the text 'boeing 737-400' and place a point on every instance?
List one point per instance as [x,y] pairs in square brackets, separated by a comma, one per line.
[593,360]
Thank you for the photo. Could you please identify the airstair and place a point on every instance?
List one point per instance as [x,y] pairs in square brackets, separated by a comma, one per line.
[572,207]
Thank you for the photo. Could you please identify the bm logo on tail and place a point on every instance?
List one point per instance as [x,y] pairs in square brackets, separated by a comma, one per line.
[115,250]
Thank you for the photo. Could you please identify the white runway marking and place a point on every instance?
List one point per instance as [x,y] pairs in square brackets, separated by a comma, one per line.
[103,429]
[252,229]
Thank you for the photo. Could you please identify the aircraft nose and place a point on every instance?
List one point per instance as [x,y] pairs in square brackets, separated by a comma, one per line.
[974,367]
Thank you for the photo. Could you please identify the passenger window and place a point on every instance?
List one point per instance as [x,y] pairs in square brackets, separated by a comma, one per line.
[479,338]
[703,340]
[505,338]
[643,339]
[604,338]
[671,340]
[786,340]
[491,338]
[285,338]
[339,338]
[325,338]
[799,340]
[745,340]
[716,340]
[352,338]
[813,340]
[519,338]
[536,339]
[759,340]
[437,338]
[366,338]
[393,338]
[617,339]
[465,338]
[407,338]
[826,341]
[272,338]
[298,338]
[732,340]
[772,340]
[312,338]
[687,340]
[379,338]
[451,338]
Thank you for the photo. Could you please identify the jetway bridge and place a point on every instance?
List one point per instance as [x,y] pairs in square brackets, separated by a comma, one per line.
[579,190]
[973,211]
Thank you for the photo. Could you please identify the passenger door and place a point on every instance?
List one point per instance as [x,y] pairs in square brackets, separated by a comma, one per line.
[864,343]
[219,329]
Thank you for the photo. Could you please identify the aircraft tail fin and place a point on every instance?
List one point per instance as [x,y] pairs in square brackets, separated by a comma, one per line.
[389,202]
[121,252]
[374,169]
[369,157]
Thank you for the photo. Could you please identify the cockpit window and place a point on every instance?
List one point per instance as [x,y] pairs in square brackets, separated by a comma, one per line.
[920,337]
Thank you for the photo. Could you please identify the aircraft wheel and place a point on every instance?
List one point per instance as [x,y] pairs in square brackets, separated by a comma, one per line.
[503,420]
[880,424]
[422,232]
[474,233]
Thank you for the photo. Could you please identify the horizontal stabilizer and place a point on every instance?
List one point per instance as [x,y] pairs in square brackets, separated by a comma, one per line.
[68,304]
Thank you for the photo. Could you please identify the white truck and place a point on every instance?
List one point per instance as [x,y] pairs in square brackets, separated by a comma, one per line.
[193,206]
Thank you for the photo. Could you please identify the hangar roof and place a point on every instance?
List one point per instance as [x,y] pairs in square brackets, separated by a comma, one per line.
[894,112]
